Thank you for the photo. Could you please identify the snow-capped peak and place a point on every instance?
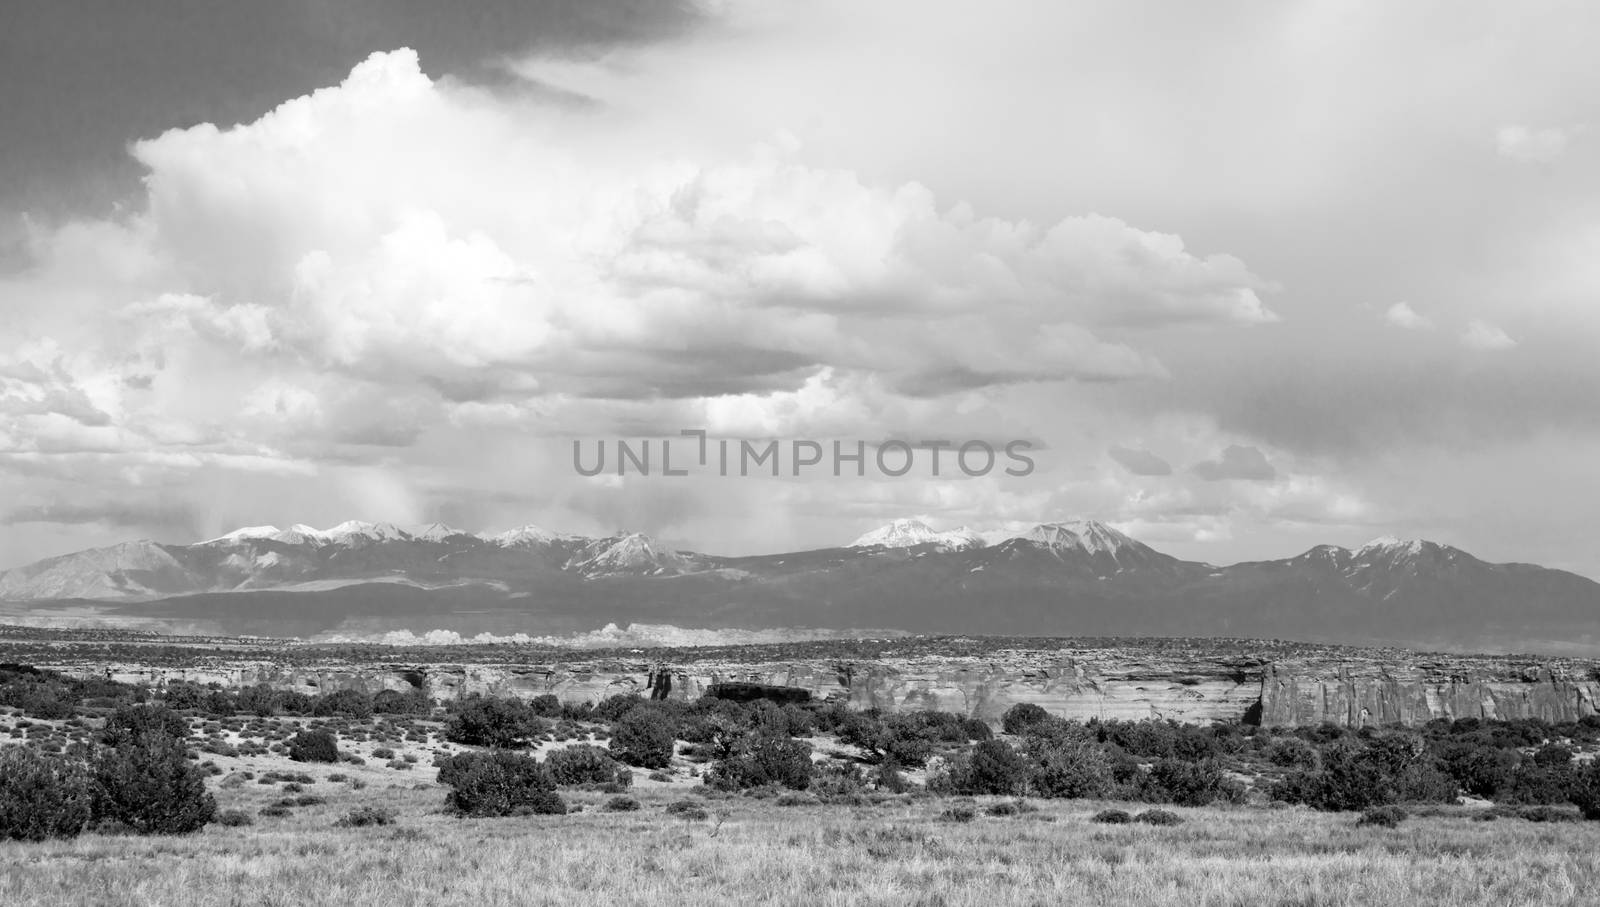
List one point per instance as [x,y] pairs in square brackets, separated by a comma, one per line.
[245,533]
[1388,544]
[343,534]
[1088,536]
[906,533]
[354,530]
[522,536]
[298,534]
[436,532]
[301,534]
[626,553]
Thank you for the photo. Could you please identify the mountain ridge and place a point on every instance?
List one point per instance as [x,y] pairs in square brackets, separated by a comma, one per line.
[1059,577]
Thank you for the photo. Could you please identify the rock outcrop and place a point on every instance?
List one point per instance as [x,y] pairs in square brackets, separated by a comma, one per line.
[1200,683]
[1356,694]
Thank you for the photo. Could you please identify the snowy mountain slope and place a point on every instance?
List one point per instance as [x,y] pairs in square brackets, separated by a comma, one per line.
[909,533]
[1075,577]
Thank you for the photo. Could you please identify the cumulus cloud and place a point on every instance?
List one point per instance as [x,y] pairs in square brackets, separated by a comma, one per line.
[1402,315]
[1140,462]
[36,383]
[325,229]
[1527,145]
[1236,462]
[1481,335]
[375,271]
[439,285]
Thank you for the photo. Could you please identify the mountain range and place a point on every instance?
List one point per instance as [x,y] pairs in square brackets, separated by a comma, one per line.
[1076,578]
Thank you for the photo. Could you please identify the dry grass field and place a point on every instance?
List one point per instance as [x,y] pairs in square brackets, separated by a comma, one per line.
[751,851]
[288,845]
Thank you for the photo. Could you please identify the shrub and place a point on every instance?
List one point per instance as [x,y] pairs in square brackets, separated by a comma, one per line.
[452,767]
[1546,814]
[500,783]
[1191,783]
[904,739]
[976,729]
[888,777]
[761,759]
[1022,716]
[233,818]
[687,810]
[1552,756]
[842,781]
[1067,769]
[906,746]
[313,746]
[383,752]
[344,703]
[274,811]
[545,705]
[1148,739]
[1355,777]
[485,721]
[1535,784]
[612,708]
[1382,817]
[184,695]
[42,796]
[581,764]
[1482,771]
[994,767]
[129,725]
[1112,817]
[1584,791]
[259,700]
[394,702]
[622,805]
[801,722]
[644,737]
[1292,752]
[1158,817]
[151,787]
[365,816]
[959,812]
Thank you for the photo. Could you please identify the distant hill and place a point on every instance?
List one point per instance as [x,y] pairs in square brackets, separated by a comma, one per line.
[1078,578]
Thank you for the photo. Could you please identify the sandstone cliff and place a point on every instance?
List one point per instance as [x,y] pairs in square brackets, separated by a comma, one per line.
[1199,683]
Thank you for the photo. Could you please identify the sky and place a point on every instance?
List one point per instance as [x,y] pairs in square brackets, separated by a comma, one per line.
[1246,276]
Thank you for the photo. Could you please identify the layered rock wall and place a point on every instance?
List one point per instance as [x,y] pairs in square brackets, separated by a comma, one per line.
[1081,685]
[1357,694]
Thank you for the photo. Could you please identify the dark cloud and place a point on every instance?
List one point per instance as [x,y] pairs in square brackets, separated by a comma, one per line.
[1326,395]
[706,371]
[155,516]
[1236,462]
[1140,462]
[379,434]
